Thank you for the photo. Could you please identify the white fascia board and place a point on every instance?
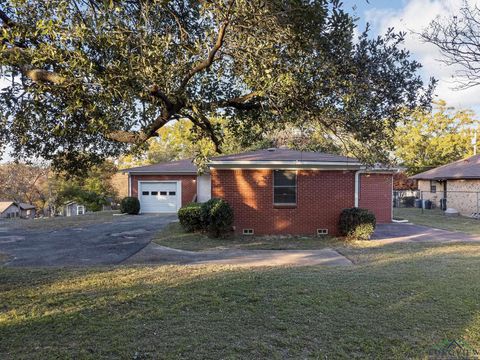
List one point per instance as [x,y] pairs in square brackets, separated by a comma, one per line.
[290,163]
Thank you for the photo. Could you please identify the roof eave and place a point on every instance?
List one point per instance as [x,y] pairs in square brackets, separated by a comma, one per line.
[153,172]
[282,164]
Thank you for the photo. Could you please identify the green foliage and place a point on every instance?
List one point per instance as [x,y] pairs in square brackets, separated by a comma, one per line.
[93,189]
[130,205]
[190,217]
[428,140]
[88,80]
[217,216]
[357,223]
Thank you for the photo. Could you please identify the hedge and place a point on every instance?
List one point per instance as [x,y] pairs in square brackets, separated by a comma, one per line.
[190,217]
[214,216]
[357,223]
[130,205]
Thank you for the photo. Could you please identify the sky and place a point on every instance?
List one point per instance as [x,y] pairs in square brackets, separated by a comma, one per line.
[411,16]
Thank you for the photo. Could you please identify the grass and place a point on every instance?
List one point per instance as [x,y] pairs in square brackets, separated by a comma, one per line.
[173,236]
[435,218]
[396,303]
[60,222]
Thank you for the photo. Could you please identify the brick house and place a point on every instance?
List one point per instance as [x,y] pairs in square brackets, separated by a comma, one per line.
[273,191]
[457,182]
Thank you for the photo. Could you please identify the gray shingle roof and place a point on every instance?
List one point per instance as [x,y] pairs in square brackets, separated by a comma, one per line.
[267,155]
[174,167]
[461,169]
[285,155]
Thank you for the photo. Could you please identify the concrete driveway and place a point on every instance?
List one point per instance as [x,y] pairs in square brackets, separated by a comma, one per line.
[96,244]
[407,232]
[156,254]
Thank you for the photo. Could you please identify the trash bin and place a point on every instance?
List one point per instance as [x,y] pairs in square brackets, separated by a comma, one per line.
[418,203]
[443,204]
[428,204]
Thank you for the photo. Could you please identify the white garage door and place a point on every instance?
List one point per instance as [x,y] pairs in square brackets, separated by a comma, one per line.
[158,197]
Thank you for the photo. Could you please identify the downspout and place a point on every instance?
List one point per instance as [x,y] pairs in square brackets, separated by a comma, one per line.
[129,185]
[357,185]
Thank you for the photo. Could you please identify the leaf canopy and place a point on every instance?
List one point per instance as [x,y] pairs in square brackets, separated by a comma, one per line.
[90,79]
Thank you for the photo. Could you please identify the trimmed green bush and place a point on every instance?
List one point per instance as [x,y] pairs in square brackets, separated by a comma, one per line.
[217,216]
[130,205]
[357,223]
[190,217]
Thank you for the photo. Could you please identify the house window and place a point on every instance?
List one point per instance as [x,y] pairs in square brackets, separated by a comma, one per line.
[433,186]
[163,193]
[171,193]
[154,193]
[80,209]
[145,193]
[284,187]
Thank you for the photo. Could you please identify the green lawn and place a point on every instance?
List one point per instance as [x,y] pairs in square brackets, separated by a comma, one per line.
[395,303]
[435,218]
[59,222]
[173,236]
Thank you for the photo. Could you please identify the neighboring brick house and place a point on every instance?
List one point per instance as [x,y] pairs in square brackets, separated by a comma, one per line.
[457,182]
[273,191]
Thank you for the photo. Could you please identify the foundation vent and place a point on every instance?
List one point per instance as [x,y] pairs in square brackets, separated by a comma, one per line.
[322,231]
[247,231]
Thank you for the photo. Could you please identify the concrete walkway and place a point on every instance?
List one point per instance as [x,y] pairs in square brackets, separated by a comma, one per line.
[407,232]
[156,254]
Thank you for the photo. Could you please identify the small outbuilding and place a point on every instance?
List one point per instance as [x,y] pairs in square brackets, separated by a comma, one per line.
[12,209]
[72,208]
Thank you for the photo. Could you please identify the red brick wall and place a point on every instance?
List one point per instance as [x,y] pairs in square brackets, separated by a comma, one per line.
[189,184]
[321,196]
[376,195]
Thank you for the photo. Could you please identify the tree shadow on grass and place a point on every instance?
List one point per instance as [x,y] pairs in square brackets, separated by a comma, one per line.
[396,306]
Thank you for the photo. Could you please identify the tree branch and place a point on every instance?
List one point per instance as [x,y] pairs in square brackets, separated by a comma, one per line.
[43,76]
[6,19]
[206,63]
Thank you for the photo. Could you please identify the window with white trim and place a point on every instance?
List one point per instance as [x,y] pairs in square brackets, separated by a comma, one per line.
[284,187]
[80,209]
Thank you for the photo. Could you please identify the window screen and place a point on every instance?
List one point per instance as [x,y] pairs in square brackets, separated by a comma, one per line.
[284,187]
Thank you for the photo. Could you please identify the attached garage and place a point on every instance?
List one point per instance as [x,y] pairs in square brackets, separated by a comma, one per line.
[159,196]
[163,188]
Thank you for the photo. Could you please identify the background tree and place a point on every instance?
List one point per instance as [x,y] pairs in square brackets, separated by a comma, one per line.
[89,79]
[24,183]
[428,140]
[458,39]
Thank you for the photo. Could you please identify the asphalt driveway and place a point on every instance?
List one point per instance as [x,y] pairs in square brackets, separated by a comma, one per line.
[407,232]
[95,244]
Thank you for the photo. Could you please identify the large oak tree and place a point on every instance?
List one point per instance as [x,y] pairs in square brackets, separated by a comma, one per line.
[88,79]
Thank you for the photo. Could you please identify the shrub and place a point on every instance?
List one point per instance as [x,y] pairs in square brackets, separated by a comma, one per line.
[408,201]
[357,223]
[190,217]
[217,216]
[130,205]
